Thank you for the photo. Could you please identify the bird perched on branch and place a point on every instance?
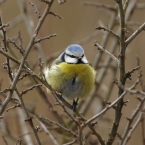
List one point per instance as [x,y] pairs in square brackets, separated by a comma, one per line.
[71,74]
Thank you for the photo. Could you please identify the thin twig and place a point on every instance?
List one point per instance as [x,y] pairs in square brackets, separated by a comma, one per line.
[108,30]
[13,107]
[47,131]
[44,38]
[129,73]
[126,5]
[59,125]
[134,127]
[35,10]
[103,49]
[56,15]
[17,47]
[31,88]
[4,25]
[107,108]
[79,115]
[131,119]
[141,28]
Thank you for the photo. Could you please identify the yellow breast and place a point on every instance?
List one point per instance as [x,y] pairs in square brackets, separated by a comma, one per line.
[72,80]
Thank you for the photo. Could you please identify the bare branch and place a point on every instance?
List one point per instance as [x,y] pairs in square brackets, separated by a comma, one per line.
[31,88]
[35,10]
[103,49]
[47,131]
[13,107]
[129,73]
[56,15]
[107,108]
[134,127]
[5,141]
[64,128]
[29,47]
[125,5]
[141,28]
[16,46]
[4,25]
[131,119]
[44,38]
[108,30]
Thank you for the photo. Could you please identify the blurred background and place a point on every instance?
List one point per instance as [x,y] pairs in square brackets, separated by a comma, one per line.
[77,25]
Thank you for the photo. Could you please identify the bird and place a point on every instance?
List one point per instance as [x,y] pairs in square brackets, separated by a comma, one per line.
[71,74]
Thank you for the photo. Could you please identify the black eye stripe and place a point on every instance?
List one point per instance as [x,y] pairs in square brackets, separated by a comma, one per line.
[72,56]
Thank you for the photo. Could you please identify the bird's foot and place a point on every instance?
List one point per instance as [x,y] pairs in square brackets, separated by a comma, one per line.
[74,105]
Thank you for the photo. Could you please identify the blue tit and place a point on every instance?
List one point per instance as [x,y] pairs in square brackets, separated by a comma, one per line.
[71,74]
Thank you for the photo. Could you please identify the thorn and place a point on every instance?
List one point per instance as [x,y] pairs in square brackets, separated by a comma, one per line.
[107,102]
[138,98]
[129,119]
[119,135]
[94,123]
[37,127]
[115,82]
[29,119]
[125,102]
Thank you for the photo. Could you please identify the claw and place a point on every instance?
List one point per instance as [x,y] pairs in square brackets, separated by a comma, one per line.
[74,105]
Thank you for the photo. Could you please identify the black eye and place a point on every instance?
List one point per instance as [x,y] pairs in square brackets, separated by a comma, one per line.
[72,56]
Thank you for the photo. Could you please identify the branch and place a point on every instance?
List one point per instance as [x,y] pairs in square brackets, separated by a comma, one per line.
[13,107]
[108,30]
[47,131]
[59,125]
[29,47]
[103,49]
[91,126]
[122,80]
[129,73]
[141,28]
[35,10]
[131,119]
[134,127]
[44,38]
[126,5]
[106,109]
[17,47]
[4,25]
[31,88]
[56,15]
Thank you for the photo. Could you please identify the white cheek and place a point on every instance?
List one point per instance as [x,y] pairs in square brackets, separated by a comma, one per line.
[84,59]
[70,60]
